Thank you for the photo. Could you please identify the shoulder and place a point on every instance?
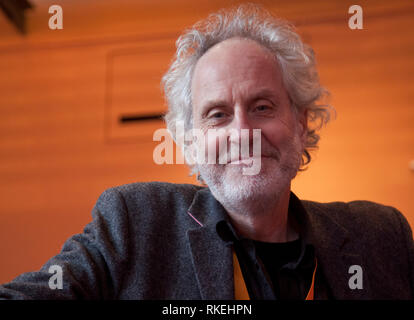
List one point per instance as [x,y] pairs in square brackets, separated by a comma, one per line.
[154,192]
[148,200]
[377,233]
[360,215]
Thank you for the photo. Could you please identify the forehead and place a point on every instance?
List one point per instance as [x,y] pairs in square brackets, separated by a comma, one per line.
[236,63]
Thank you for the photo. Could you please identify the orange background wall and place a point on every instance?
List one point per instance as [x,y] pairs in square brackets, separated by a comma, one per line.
[62,91]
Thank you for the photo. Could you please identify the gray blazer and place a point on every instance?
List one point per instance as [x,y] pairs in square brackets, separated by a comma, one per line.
[154,241]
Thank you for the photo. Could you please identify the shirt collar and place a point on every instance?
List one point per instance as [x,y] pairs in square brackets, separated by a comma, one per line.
[206,211]
[297,216]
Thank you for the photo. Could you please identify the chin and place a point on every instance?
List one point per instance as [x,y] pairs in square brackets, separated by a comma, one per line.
[231,187]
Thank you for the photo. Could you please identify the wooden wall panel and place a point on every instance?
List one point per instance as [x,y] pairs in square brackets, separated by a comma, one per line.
[125,99]
[365,153]
[59,151]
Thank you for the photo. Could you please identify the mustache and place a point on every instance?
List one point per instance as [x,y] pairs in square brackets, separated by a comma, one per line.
[228,156]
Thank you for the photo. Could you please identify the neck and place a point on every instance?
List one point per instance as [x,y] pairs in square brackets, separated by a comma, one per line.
[264,220]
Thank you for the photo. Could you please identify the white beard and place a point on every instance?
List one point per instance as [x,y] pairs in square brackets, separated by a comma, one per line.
[251,193]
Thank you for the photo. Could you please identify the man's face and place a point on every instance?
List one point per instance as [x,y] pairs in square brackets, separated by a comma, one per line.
[236,85]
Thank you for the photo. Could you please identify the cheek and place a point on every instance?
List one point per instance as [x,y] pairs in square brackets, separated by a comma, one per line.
[277,134]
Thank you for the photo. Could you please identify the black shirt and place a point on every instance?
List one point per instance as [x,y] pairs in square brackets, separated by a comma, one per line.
[281,271]
[289,266]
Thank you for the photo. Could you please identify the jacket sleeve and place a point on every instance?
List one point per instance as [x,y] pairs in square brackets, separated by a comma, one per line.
[408,240]
[92,263]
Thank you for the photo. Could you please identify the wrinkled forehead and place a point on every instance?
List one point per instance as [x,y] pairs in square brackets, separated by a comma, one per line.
[236,62]
[232,54]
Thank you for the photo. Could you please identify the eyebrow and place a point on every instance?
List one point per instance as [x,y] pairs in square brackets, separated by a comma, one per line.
[211,104]
[265,93]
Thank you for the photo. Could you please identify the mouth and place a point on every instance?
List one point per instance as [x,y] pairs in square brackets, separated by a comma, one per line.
[248,161]
[242,161]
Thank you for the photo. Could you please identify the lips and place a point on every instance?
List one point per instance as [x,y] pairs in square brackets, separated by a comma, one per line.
[242,161]
[247,161]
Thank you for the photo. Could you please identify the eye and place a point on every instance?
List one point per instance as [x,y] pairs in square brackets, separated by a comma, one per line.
[216,118]
[218,115]
[262,108]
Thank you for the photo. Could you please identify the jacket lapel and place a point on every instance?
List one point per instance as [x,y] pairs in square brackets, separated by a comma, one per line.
[212,258]
[336,253]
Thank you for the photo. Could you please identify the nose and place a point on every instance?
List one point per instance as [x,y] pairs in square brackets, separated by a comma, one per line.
[240,130]
[241,119]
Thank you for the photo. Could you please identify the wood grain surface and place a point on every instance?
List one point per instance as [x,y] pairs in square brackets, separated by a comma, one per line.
[62,93]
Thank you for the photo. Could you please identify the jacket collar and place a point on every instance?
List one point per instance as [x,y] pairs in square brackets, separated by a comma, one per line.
[212,257]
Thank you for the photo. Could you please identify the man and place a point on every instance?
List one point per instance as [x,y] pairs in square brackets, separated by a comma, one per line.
[242,236]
